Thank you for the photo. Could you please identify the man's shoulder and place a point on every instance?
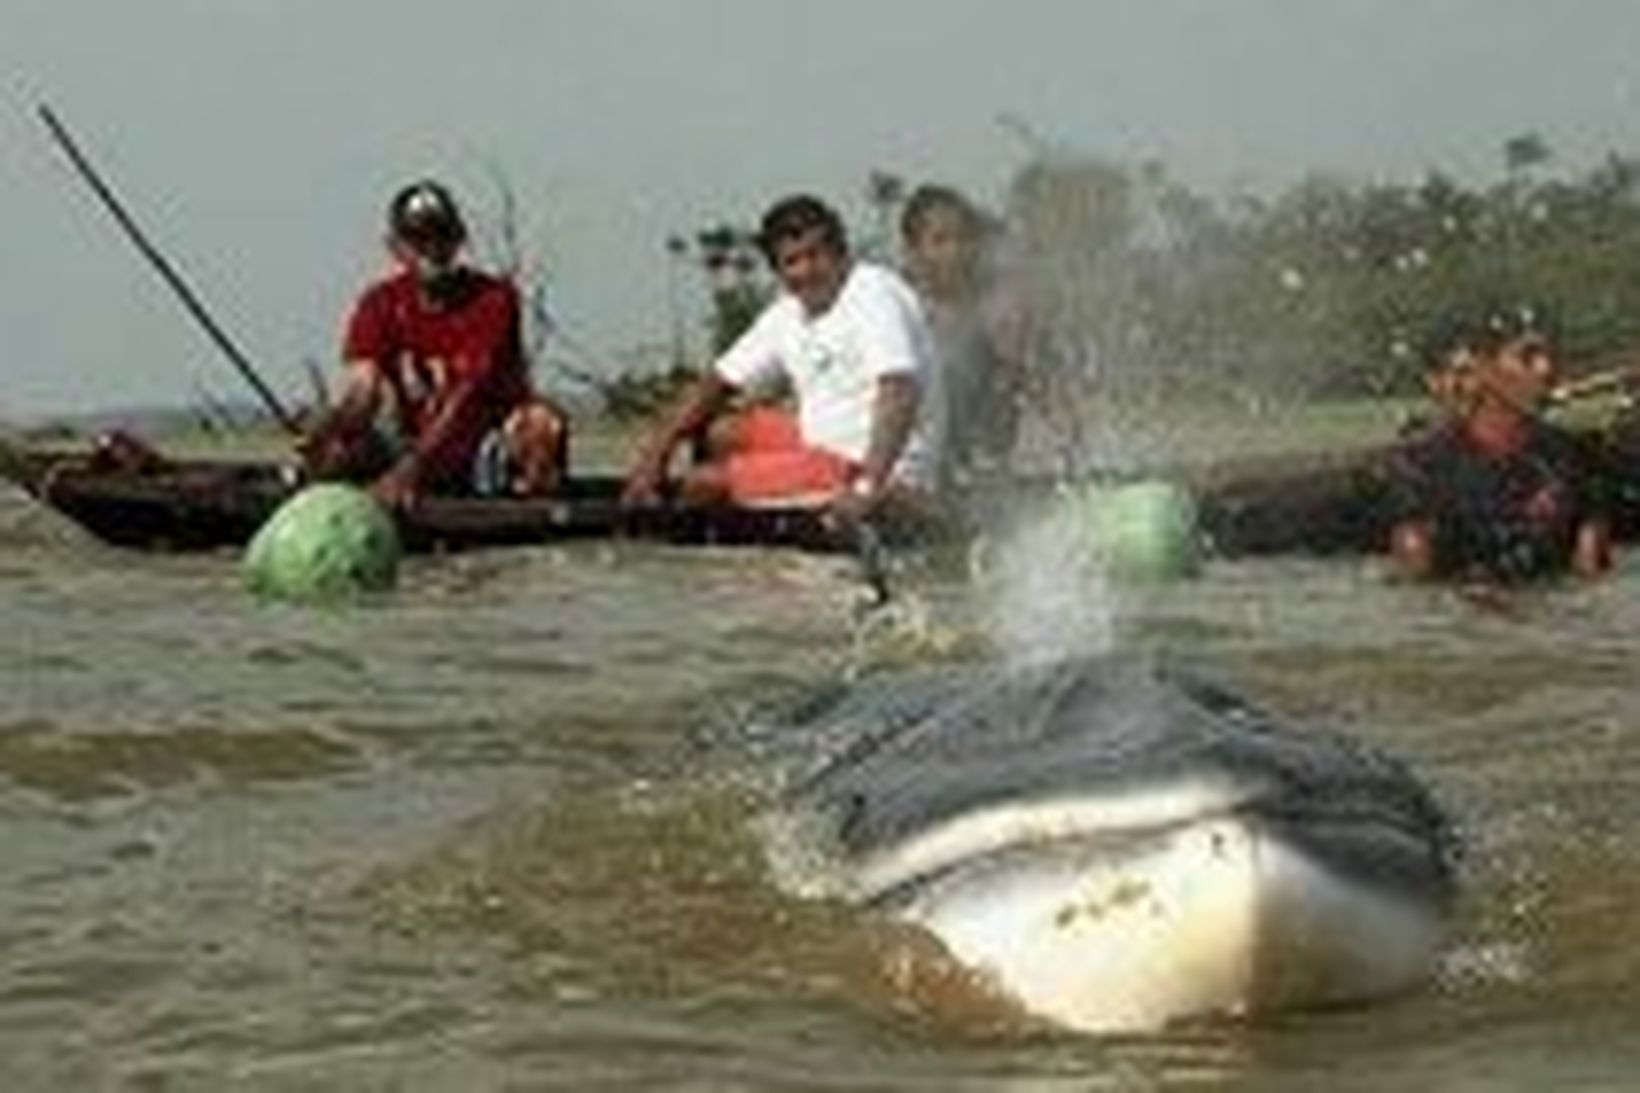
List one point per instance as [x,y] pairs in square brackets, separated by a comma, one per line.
[875,294]
[1444,433]
[395,285]
[1002,299]
[1433,444]
[1563,445]
[1549,432]
[868,278]
[485,281]
[782,314]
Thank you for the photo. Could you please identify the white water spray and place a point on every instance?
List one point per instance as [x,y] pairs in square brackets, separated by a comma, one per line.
[1046,595]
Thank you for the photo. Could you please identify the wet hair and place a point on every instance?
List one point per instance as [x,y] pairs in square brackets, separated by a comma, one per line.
[425,213]
[1484,327]
[929,199]
[796,216]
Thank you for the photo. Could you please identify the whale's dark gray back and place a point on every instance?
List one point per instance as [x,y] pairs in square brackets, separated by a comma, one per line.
[896,755]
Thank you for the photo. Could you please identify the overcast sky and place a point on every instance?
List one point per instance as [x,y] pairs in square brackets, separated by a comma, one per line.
[258,140]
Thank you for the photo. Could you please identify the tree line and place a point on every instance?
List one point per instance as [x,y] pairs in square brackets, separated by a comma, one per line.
[1328,288]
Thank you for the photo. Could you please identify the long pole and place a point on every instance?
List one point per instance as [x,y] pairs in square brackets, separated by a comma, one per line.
[190,301]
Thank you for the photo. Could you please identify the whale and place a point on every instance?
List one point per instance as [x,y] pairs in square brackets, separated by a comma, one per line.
[1115,844]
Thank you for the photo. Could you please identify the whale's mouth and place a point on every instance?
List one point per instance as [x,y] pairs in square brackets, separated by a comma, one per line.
[1366,849]
[887,875]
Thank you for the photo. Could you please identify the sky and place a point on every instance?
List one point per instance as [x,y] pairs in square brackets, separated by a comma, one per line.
[258,141]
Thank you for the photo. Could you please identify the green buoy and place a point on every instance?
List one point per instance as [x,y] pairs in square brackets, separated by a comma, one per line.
[1141,531]
[328,543]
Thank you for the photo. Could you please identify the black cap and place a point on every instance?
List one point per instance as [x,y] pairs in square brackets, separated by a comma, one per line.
[424,213]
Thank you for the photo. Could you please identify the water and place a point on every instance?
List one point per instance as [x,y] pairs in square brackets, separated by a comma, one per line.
[491,833]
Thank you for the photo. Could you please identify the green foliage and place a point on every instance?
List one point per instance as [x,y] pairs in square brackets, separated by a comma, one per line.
[733,269]
[635,395]
[1325,289]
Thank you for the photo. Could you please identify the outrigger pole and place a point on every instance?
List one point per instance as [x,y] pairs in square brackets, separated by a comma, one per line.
[190,301]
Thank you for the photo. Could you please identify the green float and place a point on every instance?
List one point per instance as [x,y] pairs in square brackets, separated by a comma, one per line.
[1140,531]
[330,543]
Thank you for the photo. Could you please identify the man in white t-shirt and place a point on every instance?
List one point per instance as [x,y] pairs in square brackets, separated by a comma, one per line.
[850,339]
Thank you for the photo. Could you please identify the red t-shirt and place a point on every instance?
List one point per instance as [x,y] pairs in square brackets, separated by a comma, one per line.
[429,352]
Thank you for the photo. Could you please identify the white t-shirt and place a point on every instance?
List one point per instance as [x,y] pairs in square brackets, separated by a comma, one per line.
[874,328]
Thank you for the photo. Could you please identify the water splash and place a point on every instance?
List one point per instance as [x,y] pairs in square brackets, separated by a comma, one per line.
[1045,594]
[906,630]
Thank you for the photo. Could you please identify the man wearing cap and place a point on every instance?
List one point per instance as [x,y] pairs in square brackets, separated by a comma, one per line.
[850,340]
[437,347]
[1494,492]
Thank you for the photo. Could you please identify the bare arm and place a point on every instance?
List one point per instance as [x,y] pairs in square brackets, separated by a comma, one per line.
[408,475]
[324,447]
[704,399]
[894,415]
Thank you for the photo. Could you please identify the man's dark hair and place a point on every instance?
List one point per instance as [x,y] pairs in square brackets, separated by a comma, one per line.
[792,217]
[928,199]
[1486,326]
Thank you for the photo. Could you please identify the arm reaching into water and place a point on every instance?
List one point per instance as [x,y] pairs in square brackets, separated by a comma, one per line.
[435,447]
[894,416]
[330,448]
[693,411]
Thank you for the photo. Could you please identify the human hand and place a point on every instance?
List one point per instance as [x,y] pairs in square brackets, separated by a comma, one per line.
[853,504]
[321,451]
[398,489]
[643,485]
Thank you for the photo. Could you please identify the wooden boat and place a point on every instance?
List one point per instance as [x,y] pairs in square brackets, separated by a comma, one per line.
[205,504]
[1329,504]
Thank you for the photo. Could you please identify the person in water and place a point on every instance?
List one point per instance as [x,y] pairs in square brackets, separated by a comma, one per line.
[1494,492]
[980,333]
[435,353]
[850,340]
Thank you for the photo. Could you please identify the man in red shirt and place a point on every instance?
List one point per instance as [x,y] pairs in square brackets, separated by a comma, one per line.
[438,347]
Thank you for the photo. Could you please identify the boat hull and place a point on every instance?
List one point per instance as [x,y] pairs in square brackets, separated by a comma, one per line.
[1331,503]
[206,504]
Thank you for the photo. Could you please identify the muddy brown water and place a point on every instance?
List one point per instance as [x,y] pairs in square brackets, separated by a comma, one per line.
[491,832]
